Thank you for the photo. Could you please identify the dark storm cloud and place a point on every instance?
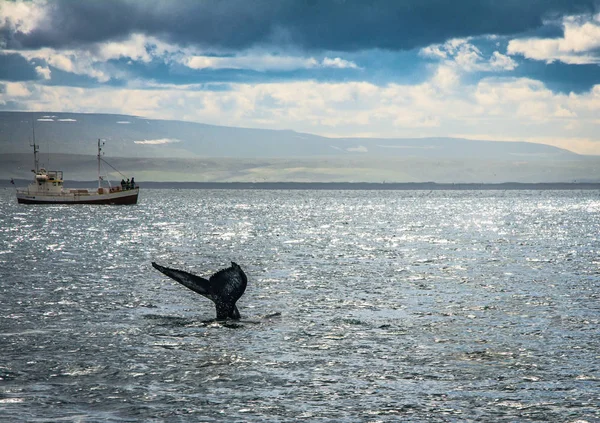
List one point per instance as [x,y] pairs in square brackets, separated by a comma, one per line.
[342,25]
[561,77]
[14,67]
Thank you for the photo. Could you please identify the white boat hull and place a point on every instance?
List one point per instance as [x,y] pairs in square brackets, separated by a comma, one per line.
[79,197]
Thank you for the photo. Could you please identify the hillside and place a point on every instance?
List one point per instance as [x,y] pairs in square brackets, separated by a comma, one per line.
[163,150]
[130,136]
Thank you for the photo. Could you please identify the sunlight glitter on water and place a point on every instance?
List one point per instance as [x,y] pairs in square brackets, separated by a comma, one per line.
[410,306]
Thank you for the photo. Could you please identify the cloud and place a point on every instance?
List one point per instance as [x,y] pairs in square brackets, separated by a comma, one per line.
[16,89]
[446,78]
[93,60]
[258,63]
[44,72]
[21,17]
[14,67]
[526,99]
[580,43]
[331,67]
[463,55]
[436,51]
[502,108]
[71,61]
[499,61]
[152,45]
[135,48]
[324,25]
[158,141]
[338,63]
[265,62]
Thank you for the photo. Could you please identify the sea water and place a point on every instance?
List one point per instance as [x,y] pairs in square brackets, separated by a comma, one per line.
[362,306]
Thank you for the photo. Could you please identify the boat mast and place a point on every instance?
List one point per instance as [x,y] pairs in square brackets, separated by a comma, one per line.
[99,153]
[36,159]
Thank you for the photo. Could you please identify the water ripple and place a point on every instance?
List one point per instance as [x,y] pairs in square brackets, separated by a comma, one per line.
[362,306]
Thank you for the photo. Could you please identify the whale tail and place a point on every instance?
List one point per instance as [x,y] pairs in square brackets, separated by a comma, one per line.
[223,288]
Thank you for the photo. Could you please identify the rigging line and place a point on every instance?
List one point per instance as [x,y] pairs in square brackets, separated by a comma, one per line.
[114,168]
[107,180]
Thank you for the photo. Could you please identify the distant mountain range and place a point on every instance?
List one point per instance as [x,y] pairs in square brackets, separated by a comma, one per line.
[130,136]
[185,151]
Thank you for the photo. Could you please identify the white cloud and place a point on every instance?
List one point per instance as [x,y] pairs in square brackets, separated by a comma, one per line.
[72,61]
[512,90]
[502,108]
[264,62]
[138,47]
[338,63]
[44,72]
[20,16]
[158,141]
[446,77]
[467,56]
[16,89]
[60,61]
[464,56]
[526,99]
[561,111]
[201,62]
[580,43]
[258,63]
[435,51]
[92,61]
[135,48]
[500,61]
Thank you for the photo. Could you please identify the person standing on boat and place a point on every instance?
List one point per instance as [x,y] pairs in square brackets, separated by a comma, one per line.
[123,184]
[132,183]
[127,184]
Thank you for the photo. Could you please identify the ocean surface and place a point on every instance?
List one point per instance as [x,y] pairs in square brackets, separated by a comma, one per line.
[362,306]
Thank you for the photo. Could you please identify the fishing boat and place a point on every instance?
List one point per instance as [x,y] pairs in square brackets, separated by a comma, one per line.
[47,188]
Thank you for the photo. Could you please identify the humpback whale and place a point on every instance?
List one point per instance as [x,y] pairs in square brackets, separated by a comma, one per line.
[223,288]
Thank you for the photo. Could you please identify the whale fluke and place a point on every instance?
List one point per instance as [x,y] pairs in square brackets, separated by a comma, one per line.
[223,288]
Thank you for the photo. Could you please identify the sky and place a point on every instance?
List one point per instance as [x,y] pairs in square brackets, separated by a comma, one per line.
[479,69]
